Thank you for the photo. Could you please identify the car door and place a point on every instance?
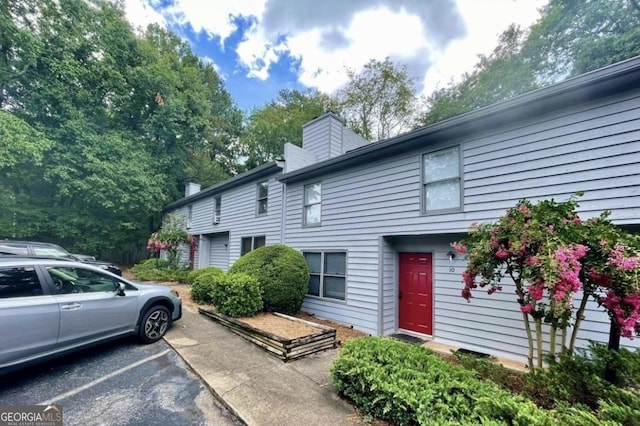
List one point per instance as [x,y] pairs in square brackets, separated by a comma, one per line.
[90,308]
[29,316]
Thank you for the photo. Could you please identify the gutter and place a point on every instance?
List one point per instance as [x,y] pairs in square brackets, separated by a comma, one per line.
[592,85]
[253,174]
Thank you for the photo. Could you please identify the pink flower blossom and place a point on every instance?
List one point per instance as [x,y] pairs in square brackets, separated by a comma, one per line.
[532,261]
[527,309]
[502,254]
[466,293]
[459,248]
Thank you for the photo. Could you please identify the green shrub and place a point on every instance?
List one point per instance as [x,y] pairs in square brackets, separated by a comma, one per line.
[578,380]
[282,274]
[191,278]
[236,295]
[158,270]
[202,286]
[410,385]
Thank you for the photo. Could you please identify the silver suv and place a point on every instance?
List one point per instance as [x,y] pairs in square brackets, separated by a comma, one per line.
[50,307]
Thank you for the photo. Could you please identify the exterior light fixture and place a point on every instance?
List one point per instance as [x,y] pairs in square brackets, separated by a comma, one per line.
[451,255]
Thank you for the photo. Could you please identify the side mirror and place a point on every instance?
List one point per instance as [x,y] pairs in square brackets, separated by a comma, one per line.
[120,288]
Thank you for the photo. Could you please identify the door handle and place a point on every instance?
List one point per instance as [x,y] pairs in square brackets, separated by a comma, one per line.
[71,306]
[399,295]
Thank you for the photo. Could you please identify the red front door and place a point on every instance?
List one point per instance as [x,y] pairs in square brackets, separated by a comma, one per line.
[415,295]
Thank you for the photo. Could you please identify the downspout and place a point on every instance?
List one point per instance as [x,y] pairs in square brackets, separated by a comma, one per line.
[380,283]
[283,211]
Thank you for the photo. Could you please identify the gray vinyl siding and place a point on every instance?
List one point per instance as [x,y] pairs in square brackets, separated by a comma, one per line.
[389,288]
[323,137]
[592,147]
[239,218]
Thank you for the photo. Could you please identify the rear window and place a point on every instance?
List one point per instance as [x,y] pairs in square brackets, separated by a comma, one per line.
[51,251]
[19,282]
[13,249]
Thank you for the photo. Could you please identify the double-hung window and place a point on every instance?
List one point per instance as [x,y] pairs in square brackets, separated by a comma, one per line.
[251,243]
[262,197]
[217,208]
[441,180]
[327,274]
[312,204]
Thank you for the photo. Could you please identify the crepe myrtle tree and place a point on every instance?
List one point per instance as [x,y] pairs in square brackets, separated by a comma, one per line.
[557,262]
[170,238]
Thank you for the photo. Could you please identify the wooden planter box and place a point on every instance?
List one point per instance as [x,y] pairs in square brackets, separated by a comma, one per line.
[283,348]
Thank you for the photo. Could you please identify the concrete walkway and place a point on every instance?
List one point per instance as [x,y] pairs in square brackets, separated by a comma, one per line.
[257,387]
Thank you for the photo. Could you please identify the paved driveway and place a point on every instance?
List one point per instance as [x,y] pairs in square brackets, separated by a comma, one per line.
[120,383]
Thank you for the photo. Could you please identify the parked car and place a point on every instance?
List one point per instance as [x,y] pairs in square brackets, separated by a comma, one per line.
[31,248]
[49,307]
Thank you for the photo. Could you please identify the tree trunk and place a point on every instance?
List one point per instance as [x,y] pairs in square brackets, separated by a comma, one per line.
[579,319]
[539,341]
[610,373]
[527,328]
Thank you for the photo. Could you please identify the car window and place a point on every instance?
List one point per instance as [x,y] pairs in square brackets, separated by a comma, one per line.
[79,280]
[51,251]
[13,248]
[19,282]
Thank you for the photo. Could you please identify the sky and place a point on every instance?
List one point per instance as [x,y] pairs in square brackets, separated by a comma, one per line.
[260,47]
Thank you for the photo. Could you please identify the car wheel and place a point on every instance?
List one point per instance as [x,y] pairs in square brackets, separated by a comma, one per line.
[155,322]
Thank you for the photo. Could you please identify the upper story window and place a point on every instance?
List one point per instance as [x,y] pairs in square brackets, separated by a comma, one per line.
[312,204]
[189,216]
[441,180]
[217,208]
[251,243]
[262,197]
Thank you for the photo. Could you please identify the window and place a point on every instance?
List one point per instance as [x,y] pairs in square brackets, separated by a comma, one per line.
[13,248]
[312,204]
[327,274]
[441,180]
[251,243]
[78,280]
[262,197]
[217,208]
[19,282]
[189,216]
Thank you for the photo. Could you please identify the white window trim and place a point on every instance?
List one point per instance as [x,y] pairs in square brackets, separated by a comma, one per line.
[258,198]
[423,184]
[217,209]
[305,205]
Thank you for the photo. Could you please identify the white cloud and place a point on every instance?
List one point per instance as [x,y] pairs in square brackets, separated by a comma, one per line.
[437,39]
[485,21]
[141,14]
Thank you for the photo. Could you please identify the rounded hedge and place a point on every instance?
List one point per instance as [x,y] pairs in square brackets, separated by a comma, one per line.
[236,295]
[202,286]
[282,274]
[191,278]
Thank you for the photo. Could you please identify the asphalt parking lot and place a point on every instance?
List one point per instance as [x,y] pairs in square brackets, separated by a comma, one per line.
[119,383]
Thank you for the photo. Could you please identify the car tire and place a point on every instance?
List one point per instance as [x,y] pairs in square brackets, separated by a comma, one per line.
[155,323]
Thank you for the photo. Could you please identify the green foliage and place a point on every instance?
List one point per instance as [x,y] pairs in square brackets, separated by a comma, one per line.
[576,380]
[282,273]
[380,101]
[570,38]
[159,270]
[279,122]
[490,369]
[236,295]
[193,275]
[202,285]
[124,116]
[410,385]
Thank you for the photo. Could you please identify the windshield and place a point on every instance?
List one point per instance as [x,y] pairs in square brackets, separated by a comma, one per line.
[52,251]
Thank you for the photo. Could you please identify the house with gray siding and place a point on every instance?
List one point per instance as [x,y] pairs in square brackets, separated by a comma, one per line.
[375,221]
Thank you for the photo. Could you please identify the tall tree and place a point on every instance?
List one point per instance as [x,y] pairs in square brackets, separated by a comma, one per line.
[570,38]
[505,73]
[379,101]
[280,121]
[124,116]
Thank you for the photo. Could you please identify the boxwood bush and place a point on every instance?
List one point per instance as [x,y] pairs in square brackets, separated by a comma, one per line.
[191,278]
[203,284]
[236,295]
[282,274]
[158,270]
[410,385]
